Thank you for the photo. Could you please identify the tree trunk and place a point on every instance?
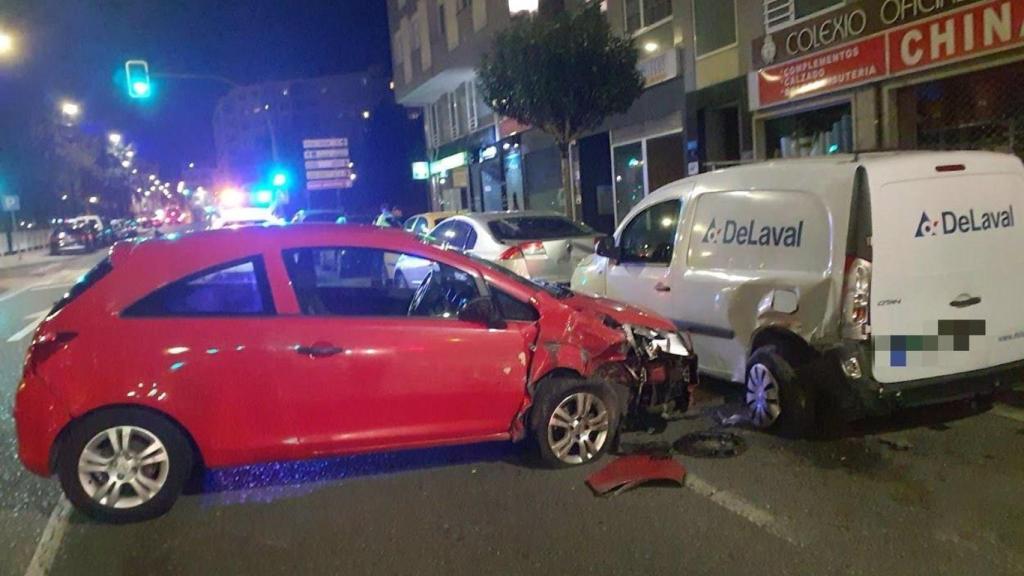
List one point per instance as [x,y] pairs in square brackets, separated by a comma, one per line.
[567,184]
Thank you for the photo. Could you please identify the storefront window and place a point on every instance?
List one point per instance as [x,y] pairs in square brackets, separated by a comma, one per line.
[629,177]
[812,133]
[978,111]
[714,25]
[666,161]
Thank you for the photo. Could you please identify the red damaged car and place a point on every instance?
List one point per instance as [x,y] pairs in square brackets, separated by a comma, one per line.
[258,344]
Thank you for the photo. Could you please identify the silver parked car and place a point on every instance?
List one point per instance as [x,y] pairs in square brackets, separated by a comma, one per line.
[537,245]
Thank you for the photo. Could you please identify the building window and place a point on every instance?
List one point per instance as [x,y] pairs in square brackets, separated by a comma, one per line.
[781,13]
[629,177]
[515,6]
[643,13]
[441,23]
[818,132]
[434,124]
[804,8]
[714,25]
[415,33]
[453,115]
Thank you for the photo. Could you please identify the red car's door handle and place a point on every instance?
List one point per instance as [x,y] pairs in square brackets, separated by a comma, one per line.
[662,287]
[318,350]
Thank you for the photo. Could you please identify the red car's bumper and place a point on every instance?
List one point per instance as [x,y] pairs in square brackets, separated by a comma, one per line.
[38,418]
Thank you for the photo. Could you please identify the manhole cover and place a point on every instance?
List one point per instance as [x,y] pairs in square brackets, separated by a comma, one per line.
[710,445]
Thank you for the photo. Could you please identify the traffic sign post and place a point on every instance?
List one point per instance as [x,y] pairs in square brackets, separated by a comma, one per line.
[10,204]
[328,165]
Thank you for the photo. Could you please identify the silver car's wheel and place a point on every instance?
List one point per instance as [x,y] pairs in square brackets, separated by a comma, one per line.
[578,428]
[123,467]
[763,403]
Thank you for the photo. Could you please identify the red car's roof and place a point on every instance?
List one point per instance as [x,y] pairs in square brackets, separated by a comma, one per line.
[245,240]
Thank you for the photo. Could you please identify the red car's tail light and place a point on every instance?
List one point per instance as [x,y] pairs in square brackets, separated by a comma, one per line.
[44,346]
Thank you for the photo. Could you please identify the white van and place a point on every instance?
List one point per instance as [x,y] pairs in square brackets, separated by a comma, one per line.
[881,280]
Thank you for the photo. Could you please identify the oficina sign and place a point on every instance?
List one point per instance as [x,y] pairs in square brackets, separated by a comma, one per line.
[976,29]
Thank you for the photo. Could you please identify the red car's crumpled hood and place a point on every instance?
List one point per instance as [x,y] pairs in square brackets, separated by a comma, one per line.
[621,313]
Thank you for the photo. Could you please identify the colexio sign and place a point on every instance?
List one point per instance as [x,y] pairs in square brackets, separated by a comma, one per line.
[974,29]
[850,22]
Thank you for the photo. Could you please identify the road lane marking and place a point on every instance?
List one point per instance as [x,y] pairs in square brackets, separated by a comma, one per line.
[1008,412]
[49,542]
[10,295]
[37,319]
[739,506]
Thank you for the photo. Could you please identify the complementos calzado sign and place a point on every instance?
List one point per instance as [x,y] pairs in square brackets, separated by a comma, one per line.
[974,28]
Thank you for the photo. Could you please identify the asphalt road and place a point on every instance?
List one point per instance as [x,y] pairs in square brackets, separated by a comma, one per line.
[931,491]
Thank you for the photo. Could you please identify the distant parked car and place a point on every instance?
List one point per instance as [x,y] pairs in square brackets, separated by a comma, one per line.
[422,224]
[103,234]
[72,236]
[538,245]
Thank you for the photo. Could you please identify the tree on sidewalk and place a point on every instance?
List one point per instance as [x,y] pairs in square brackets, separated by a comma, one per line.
[562,73]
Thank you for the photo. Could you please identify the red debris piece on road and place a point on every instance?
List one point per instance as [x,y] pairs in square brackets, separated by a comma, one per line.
[629,471]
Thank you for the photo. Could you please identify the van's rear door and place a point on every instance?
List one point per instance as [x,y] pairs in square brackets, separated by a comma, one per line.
[948,264]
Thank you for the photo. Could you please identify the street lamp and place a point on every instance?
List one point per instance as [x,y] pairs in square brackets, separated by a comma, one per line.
[70,109]
[7,44]
[114,138]
[94,199]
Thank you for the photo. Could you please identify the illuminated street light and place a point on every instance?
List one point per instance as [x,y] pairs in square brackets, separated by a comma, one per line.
[366,114]
[126,164]
[64,197]
[70,109]
[114,138]
[94,199]
[7,43]
[152,177]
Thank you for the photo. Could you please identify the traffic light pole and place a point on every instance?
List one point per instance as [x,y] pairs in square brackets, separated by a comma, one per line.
[233,85]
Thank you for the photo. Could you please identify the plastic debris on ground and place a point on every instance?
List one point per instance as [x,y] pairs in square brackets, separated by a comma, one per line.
[710,444]
[627,472]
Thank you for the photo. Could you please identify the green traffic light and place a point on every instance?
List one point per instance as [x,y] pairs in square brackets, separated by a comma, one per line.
[137,77]
[279,179]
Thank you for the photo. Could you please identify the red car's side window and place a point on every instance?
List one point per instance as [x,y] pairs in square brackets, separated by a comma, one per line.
[237,288]
[348,281]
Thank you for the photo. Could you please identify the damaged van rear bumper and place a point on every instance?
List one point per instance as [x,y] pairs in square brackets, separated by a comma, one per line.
[859,394]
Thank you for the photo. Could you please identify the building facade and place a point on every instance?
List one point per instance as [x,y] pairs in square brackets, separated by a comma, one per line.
[478,160]
[727,82]
[267,128]
[887,74]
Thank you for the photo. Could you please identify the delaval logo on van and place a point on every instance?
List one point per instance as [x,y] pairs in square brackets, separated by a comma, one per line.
[950,222]
[752,234]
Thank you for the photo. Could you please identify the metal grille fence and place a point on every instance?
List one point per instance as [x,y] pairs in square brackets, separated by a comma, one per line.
[981,110]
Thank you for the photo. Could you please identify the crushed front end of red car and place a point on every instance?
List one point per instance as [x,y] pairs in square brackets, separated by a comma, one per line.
[647,361]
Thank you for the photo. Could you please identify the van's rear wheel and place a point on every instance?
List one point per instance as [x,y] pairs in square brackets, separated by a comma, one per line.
[124,465]
[777,398]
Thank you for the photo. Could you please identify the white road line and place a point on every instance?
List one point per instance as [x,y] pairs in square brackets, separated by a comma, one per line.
[739,506]
[14,293]
[1008,412]
[49,542]
[37,319]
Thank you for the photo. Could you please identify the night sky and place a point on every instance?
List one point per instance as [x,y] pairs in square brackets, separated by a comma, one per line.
[75,48]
